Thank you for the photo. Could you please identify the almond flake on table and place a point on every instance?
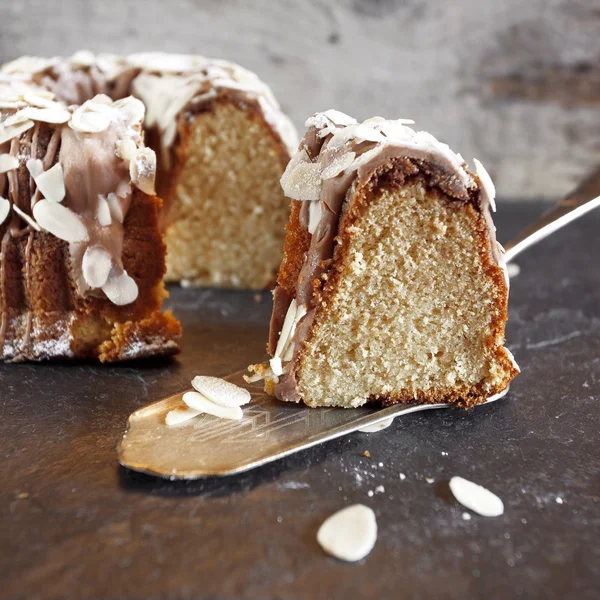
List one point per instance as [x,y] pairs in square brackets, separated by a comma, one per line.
[349,534]
[476,497]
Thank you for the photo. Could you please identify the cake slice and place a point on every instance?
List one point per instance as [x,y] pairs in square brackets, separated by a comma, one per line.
[393,287]
[81,255]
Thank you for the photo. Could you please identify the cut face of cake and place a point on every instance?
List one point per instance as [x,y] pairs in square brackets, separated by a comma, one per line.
[392,287]
[221,143]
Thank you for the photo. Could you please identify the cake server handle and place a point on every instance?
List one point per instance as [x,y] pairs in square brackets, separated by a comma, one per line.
[586,197]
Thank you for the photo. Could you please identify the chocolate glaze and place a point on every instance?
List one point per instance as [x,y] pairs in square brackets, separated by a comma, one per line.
[435,161]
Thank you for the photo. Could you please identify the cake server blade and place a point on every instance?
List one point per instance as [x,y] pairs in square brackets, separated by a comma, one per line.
[207,446]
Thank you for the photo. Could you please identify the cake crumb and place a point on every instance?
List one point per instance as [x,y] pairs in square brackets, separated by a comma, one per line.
[379,489]
[367,454]
[23,495]
[559,500]
[402,476]
[466,516]
[380,464]
[429,480]
[370,493]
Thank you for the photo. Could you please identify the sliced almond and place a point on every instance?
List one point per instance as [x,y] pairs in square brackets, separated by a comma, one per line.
[476,497]
[12,104]
[288,323]
[339,164]
[127,149]
[8,132]
[203,404]
[276,366]
[83,59]
[120,289]
[60,221]
[123,189]
[220,391]
[114,205]
[104,213]
[143,170]
[181,414]
[96,265]
[14,119]
[29,64]
[133,109]
[486,183]
[301,179]
[56,114]
[8,162]
[315,211]
[35,167]
[88,121]
[4,209]
[97,100]
[41,100]
[26,217]
[51,183]
[349,534]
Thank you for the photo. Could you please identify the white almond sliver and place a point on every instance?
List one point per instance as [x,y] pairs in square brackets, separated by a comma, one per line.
[339,164]
[8,162]
[8,132]
[486,183]
[301,179]
[276,366]
[121,289]
[315,211]
[88,121]
[60,221]
[52,183]
[99,99]
[133,109]
[143,170]
[179,415]
[476,497]
[26,218]
[104,213]
[220,391]
[203,404]
[114,205]
[96,266]
[127,149]
[4,209]
[56,114]
[286,328]
[35,167]
[349,534]
[123,189]
[83,58]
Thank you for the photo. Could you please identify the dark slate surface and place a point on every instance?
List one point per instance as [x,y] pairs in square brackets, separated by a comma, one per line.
[75,525]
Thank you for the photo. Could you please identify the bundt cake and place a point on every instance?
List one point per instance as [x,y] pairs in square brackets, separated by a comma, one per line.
[221,142]
[82,257]
[393,287]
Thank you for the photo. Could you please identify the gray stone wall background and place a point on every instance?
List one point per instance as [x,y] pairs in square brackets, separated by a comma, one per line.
[515,83]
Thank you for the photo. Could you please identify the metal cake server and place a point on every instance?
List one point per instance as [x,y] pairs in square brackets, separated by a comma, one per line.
[211,447]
